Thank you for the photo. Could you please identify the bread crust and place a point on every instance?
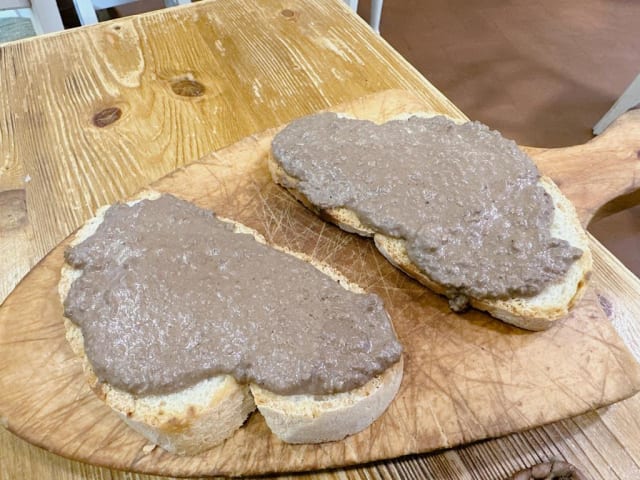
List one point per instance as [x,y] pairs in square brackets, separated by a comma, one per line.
[538,312]
[197,418]
[325,418]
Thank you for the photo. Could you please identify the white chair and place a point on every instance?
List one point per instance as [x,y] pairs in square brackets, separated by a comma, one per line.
[86,9]
[630,98]
[44,14]
[376,12]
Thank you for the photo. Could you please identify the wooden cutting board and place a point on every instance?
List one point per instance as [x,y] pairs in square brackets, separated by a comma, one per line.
[467,377]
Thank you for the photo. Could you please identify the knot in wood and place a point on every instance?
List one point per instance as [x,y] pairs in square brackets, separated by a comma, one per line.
[187,88]
[13,210]
[107,116]
[555,470]
[288,13]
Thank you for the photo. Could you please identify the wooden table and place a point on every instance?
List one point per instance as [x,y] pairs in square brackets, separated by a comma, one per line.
[91,115]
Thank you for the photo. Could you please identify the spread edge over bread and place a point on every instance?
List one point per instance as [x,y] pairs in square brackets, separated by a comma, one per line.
[197,418]
[537,312]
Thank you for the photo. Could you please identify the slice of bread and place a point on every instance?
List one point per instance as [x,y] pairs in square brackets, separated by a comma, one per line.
[537,312]
[197,418]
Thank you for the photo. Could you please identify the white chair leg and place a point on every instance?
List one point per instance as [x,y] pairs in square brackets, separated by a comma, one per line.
[46,16]
[86,12]
[629,99]
[376,14]
[173,3]
[353,4]
[14,5]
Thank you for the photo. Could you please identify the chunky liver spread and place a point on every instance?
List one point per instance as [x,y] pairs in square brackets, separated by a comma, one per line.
[169,295]
[466,200]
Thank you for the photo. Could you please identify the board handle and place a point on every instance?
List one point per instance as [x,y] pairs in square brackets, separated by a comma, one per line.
[602,176]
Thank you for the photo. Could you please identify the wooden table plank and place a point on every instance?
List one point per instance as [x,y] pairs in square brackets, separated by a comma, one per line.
[261,63]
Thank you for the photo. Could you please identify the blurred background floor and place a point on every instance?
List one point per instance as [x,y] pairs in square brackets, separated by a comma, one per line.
[543,72]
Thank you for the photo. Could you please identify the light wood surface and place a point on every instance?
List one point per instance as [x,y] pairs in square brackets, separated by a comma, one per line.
[466,377]
[262,63]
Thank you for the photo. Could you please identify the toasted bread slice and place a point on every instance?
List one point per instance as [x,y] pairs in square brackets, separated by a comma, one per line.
[186,422]
[197,418]
[324,418]
[537,312]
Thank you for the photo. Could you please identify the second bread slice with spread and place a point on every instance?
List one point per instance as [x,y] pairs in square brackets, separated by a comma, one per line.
[457,206]
[178,316]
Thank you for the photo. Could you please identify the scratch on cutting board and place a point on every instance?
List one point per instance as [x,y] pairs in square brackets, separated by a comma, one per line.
[443,436]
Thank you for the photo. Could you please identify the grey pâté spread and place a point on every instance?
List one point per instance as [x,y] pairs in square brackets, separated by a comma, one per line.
[169,295]
[465,199]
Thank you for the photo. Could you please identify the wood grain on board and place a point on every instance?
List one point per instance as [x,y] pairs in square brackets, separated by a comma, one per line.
[467,377]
